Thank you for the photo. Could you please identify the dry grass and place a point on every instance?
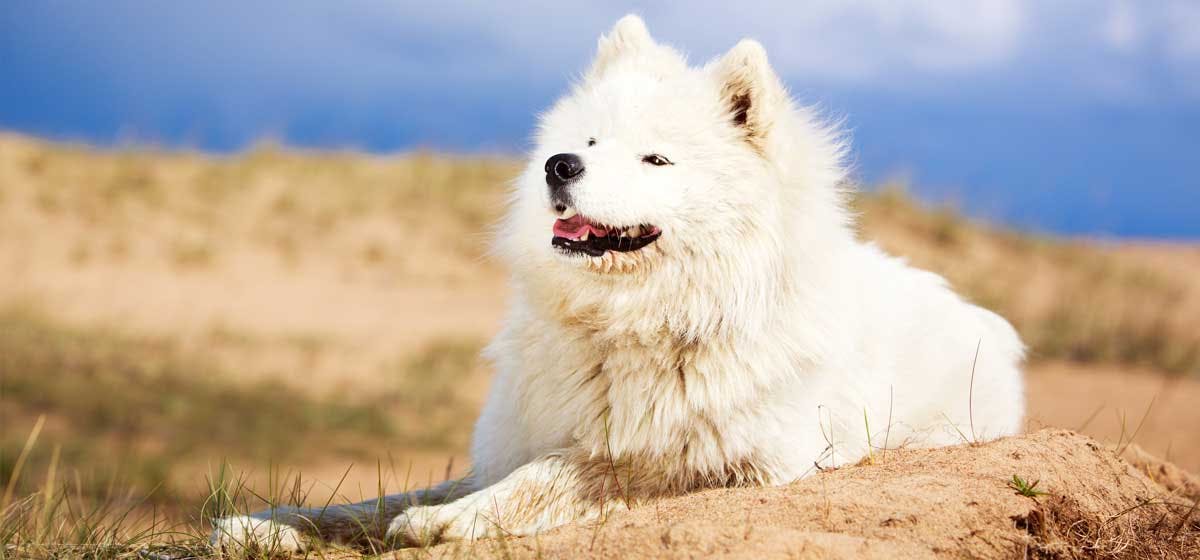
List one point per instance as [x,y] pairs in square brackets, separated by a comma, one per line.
[134,413]
[166,311]
[1071,300]
[122,423]
[1079,301]
[919,503]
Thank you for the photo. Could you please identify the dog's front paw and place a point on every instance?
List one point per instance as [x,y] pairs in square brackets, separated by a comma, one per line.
[244,533]
[427,525]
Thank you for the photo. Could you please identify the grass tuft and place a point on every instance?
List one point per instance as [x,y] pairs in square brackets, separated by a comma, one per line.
[1025,488]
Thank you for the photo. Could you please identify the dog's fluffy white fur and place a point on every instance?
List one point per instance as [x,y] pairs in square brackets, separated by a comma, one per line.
[755,341]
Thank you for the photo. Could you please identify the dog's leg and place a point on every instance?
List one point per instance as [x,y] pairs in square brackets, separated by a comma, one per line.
[285,528]
[553,490]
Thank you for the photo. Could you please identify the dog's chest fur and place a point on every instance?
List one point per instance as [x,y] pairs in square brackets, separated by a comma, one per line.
[667,405]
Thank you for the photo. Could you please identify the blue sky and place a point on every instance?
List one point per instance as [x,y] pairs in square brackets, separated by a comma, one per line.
[1078,117]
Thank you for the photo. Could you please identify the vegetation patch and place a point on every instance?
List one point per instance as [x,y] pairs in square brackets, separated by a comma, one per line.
[125,410]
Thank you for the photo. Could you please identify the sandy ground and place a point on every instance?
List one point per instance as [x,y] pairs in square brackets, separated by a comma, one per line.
[364,325]
[1088,400]
[324,318]
[1106,402]
[942,503]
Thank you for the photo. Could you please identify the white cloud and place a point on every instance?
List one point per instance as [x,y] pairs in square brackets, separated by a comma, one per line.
[859,41]
[357,47]
[1121,28]
[895,44]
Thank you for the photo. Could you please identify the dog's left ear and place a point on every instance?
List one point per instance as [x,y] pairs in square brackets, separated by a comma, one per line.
[627,38]
[752,93]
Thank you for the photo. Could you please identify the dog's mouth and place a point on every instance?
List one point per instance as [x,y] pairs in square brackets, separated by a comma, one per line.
[577,235]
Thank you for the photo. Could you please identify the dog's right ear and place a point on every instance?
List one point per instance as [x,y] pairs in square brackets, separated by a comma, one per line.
[628,37]
[751,91]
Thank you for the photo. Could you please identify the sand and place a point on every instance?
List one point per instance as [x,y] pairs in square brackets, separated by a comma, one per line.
[327,310]
[933,503]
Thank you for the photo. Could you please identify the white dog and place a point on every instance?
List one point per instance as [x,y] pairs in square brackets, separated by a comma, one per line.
[691,310]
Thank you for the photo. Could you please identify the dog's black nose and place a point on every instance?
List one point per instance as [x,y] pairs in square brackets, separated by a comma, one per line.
[562,169]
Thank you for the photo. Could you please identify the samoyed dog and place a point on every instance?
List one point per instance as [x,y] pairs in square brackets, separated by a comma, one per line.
[691,310]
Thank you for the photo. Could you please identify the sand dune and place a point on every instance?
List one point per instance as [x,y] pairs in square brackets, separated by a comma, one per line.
[941,503]
[365,280]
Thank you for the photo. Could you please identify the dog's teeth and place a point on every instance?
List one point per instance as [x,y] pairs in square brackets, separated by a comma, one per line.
[569,213]
[635,231]
[585,235]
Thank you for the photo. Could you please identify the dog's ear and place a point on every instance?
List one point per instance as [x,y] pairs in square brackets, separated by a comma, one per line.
[628,37]
[753,95]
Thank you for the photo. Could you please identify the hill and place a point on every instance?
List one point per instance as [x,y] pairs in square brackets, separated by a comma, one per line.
[296,312]
[958,502]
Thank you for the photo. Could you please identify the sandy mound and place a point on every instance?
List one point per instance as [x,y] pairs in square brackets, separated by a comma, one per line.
[949,503]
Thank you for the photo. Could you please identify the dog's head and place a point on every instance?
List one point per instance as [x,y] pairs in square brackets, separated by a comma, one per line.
[648,162]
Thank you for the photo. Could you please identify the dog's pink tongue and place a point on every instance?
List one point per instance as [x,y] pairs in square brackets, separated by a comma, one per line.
[571,228]
[574,228]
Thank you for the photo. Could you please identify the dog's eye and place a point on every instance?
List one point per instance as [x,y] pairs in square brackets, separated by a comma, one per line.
[591,142]
[655,159]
